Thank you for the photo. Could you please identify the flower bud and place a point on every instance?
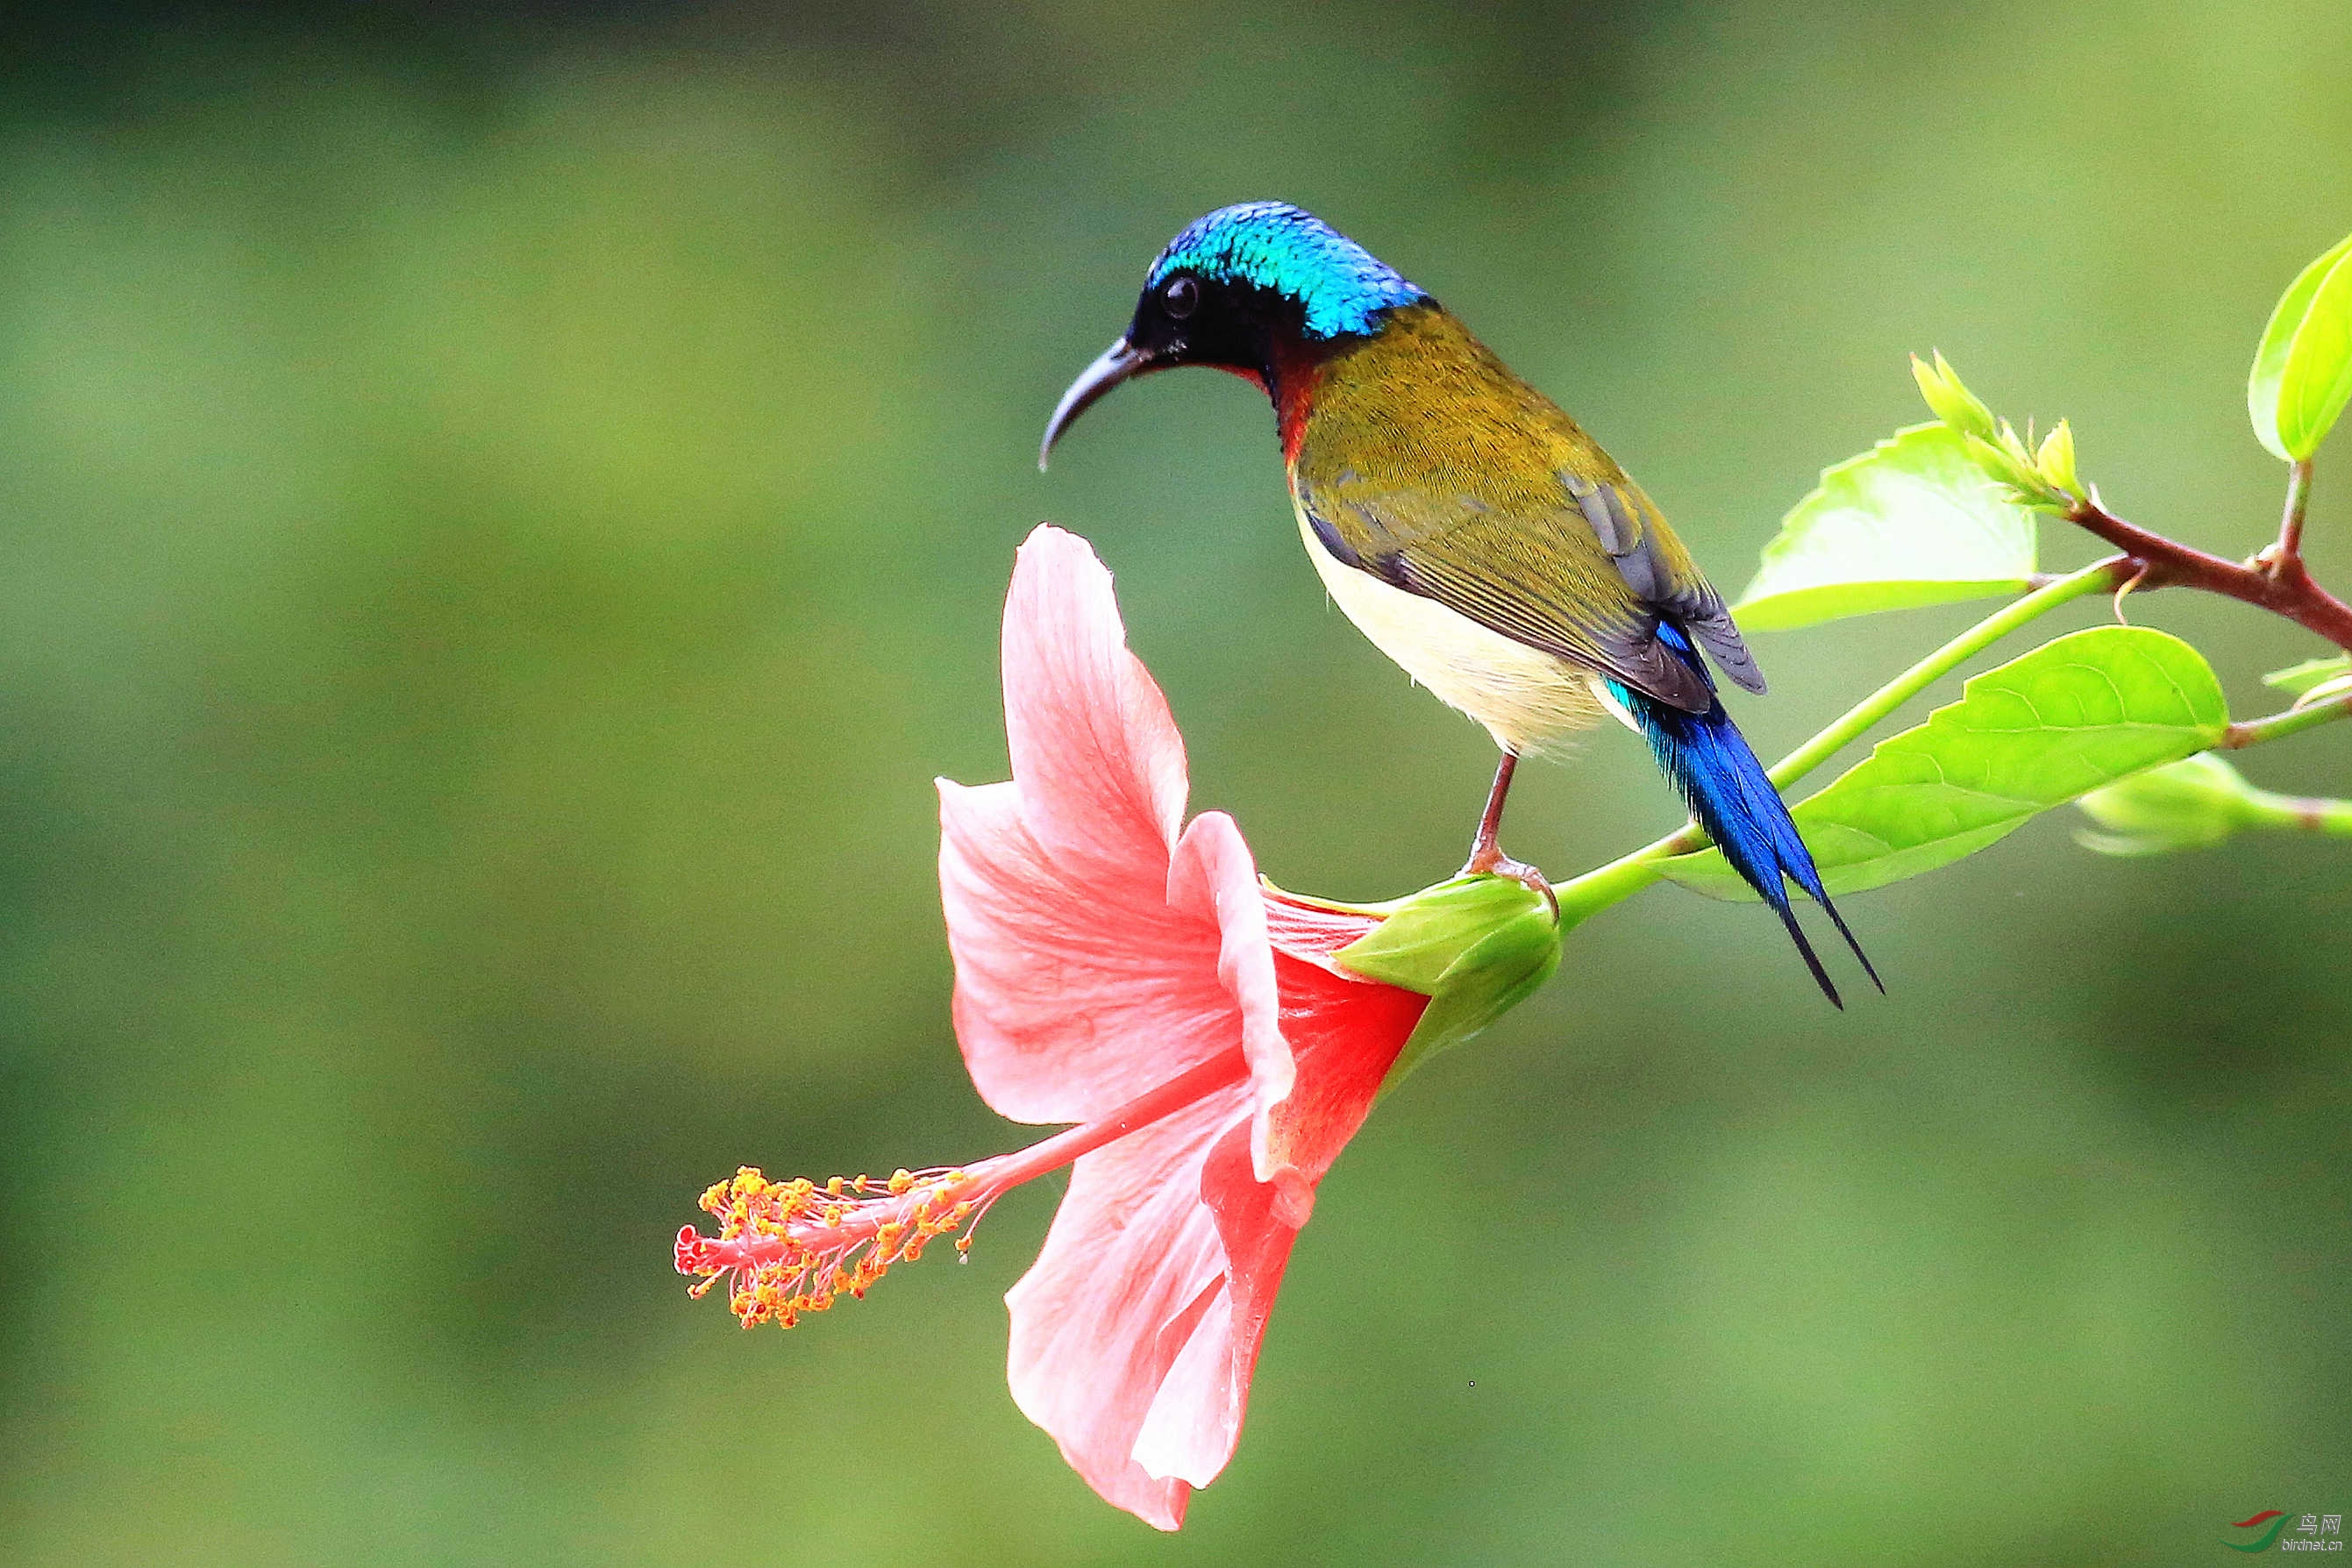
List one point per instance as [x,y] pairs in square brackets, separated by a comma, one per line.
[2188,805]
[1476,946]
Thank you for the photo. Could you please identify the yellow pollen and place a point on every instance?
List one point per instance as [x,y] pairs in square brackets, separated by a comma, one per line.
[795,1246]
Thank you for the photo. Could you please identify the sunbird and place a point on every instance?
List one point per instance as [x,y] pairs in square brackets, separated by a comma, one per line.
[1468,526]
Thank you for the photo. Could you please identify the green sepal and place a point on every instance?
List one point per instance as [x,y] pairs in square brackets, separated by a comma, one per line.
[1475,946]
[1423,936]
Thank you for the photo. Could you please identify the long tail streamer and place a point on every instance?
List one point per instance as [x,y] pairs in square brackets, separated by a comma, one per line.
[1717,771]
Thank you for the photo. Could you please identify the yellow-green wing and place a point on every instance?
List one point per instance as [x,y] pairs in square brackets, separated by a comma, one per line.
[1584,573]
[1430,465]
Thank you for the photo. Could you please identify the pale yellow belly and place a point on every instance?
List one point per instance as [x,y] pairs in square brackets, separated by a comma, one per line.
[1526,698]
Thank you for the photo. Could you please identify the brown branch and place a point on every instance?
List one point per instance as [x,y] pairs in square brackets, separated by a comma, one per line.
[2275,579]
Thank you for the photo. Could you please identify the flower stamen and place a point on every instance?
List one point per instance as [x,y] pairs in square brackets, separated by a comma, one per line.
[794,1246]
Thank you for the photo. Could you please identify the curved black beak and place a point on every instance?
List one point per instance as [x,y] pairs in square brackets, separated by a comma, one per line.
[1118,362]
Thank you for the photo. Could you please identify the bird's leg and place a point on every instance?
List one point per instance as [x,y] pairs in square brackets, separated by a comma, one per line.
[1487,856]
[1487,848]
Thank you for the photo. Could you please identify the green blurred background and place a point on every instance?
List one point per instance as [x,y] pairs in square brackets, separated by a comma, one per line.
[505,512]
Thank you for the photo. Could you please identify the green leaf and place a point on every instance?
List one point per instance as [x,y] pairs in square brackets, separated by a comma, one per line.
[1911,522]
[2303,367]
[2326,691]
[2311,672]
[2067,718]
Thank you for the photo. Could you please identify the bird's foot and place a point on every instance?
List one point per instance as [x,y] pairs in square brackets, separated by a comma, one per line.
[1488,860]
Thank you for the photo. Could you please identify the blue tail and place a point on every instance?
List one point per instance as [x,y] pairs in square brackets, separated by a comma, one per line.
[1711,763]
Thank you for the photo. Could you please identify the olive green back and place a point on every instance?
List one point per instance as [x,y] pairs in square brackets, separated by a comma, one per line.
[1425,462]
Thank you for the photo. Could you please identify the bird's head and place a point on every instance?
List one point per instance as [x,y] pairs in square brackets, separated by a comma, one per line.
[1233,291]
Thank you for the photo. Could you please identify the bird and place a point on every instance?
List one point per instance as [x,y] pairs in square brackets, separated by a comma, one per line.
[1468,526]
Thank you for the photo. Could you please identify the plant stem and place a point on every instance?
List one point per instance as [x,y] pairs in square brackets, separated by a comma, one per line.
[2298,496]
[2298,813]
[2103,574]
[2332,817]
[2278,726]
[2276,579]
[1622,878]
[1629,874]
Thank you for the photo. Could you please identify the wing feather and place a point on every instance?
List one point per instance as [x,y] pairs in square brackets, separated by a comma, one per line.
[1543,578]
[1429,465]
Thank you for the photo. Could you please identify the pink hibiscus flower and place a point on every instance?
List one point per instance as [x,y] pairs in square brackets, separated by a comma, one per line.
[1123,970]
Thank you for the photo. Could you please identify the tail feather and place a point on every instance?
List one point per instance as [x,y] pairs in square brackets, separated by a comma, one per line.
[1718,774]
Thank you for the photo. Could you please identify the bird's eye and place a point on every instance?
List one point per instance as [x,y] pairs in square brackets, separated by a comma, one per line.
[1181,297]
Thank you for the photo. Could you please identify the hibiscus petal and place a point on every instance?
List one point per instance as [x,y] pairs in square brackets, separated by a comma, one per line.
[1313,931]
[1345,1033]
[1214,875]
[1130,1272]
[1196,1418]
[1136,1333]
[1069,1000]
[1096,755]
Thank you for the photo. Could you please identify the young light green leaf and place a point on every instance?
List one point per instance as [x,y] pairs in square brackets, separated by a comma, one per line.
[1950,400]
[2325,692]
[2006,460]
[2300,677]
[2055,460]
[2302,375]
[2071,716]
[1911,522]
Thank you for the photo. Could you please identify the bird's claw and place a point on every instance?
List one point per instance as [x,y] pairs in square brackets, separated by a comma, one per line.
[1490,861]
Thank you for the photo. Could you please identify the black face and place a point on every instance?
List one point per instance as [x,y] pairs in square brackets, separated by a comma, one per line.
[1186,319]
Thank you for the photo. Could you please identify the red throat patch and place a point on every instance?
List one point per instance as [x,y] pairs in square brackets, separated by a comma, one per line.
[1297,372]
